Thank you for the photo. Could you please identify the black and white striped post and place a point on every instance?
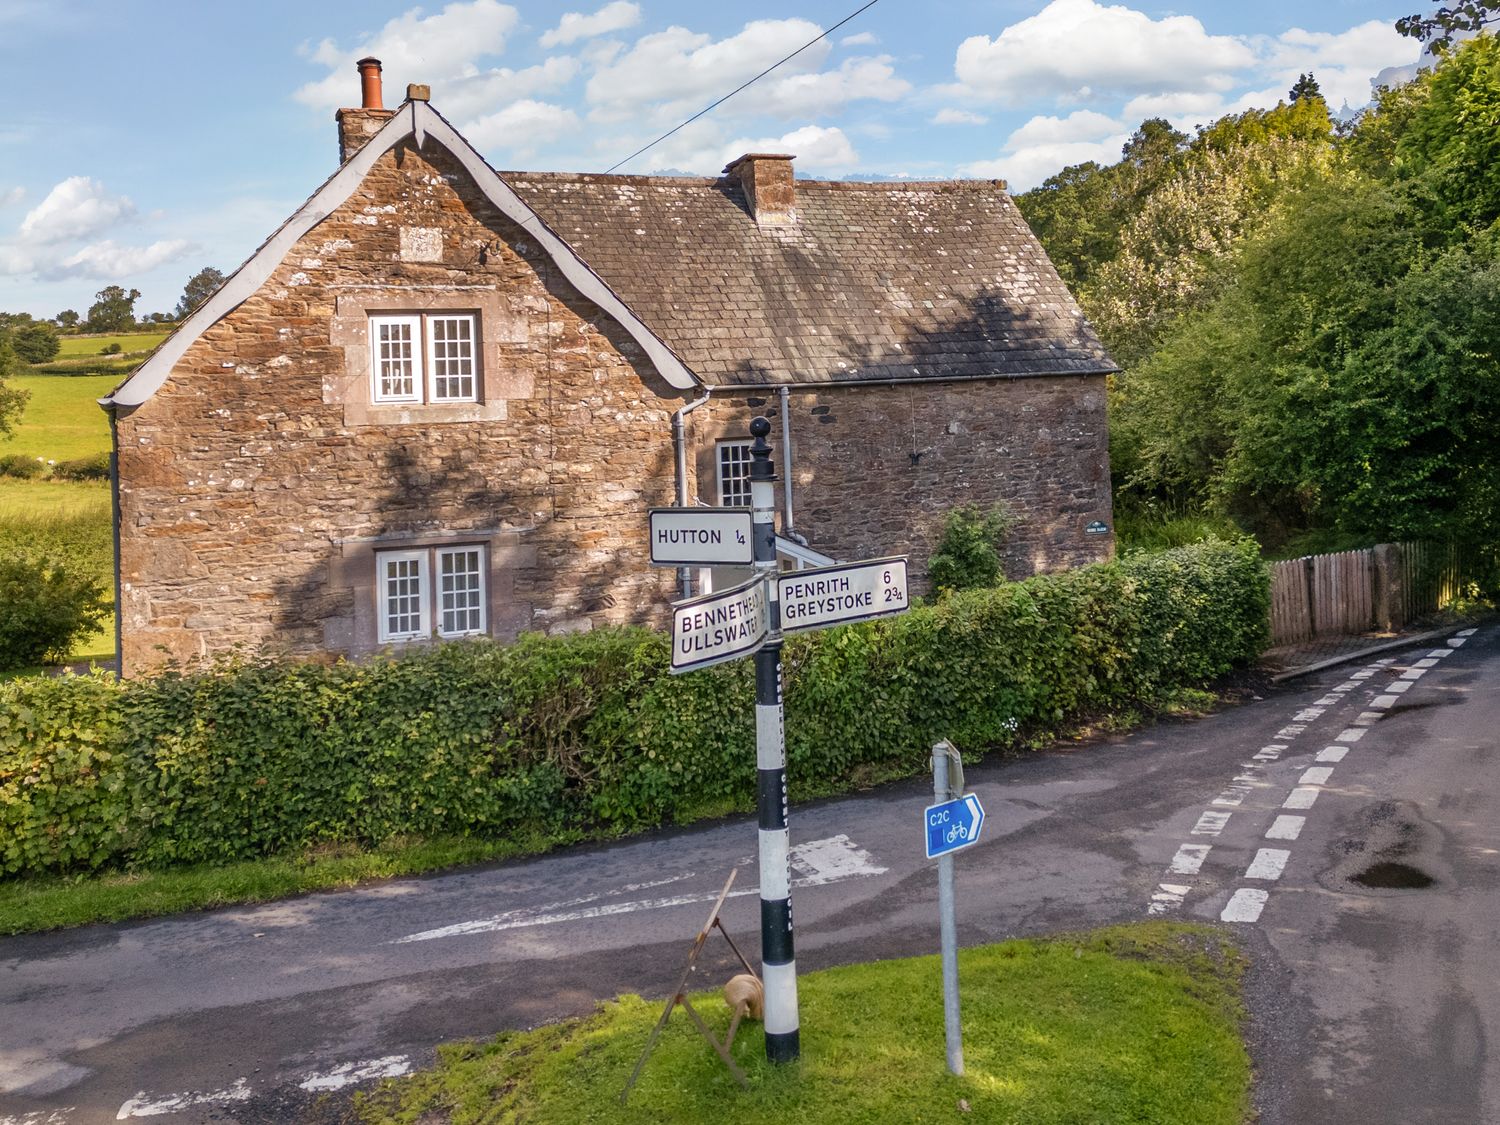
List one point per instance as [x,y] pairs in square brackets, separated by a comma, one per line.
[778,963]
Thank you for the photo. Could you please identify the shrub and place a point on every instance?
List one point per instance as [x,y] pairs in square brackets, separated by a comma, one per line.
[253,757]
[22,467]
[112,348]
[968,553]
[44,608]
[95,467]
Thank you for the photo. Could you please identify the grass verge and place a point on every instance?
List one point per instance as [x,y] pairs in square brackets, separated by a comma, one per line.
[1136,1023]
[62,420]
[32,905]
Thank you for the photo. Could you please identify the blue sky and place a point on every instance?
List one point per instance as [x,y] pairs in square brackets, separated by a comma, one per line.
[145,141]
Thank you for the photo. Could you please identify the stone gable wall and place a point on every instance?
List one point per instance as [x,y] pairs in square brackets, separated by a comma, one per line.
[258,480]
[1039,445]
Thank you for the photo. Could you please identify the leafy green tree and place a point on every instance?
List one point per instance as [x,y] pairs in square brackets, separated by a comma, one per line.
[1440,27]
[36,342]
[12,399]
[967,556]
[44,609]
[198,289]
[113,310]
[1306,87]
[67,319]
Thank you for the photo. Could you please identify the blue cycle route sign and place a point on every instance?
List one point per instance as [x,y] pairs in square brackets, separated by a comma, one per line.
[953,825]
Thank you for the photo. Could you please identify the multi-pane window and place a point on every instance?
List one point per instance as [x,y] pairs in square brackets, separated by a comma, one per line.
[734,474]
[409,602]
[431,357]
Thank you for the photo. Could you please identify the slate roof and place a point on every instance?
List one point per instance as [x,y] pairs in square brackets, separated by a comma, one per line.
[891,280]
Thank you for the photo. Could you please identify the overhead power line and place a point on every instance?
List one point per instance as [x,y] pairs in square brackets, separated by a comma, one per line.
[737,89]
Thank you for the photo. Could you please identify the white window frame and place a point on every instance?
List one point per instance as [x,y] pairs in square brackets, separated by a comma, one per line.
[430,612]
[423,359]
[725,499]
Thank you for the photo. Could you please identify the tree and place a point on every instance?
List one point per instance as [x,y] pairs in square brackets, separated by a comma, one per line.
[1438,29]
[1306,87]
[67,319]
[36,342]
[113,310]
[198,289]
[12,400]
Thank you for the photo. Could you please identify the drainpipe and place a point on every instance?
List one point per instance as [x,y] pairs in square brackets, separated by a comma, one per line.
[787,523]
[679,446]
[114,522]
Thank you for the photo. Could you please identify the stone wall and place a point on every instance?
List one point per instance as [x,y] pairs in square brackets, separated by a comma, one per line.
[875,468]
[255,481]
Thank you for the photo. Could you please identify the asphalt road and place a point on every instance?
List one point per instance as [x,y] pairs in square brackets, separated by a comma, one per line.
[1369,1003]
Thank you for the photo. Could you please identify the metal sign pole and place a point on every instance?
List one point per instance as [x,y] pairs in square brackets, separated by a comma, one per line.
[952,1028]
[778,964]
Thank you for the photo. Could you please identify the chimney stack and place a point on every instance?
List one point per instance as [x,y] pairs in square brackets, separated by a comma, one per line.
[766,180]
[357,126]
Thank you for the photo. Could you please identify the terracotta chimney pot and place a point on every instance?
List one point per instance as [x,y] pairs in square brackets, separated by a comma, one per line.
[369,83]
[357,126]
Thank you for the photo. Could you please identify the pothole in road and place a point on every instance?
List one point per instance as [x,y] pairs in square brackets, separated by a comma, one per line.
[1392,876]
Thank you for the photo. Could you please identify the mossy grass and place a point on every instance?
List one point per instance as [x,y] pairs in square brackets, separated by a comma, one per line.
[1136,1023]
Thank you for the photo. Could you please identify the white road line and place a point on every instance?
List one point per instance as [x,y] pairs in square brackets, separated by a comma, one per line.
[1328,701]
[1349,734]
[1268,864]
[1425,663]
[1317,775]
[142,1105]
[1398,687]
[1307,714]
[41,1117]
[1300,798]
[1332,754]
[1367,719]
[1211,823]
[1286,827]
[1230,798]
[1245,905]
[1189,859]
[1383,701]
[1384,660]
[825,861]
[1439,653]
[1414,673]
[1455,642]
[1168,896]
[1466,632]
[347,1074]
[1290,731]
[1363,674]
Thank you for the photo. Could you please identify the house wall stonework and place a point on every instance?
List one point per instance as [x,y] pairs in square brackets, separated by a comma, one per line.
[258,481]
[875,468]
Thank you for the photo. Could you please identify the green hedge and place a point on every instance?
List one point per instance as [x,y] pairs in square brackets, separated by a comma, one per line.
[254,758]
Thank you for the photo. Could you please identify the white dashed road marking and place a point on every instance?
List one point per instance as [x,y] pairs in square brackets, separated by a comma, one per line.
[1286,827]
[1211,823]
[1267,864]
[392,1066]
[1189,859]
[1383,701]
[143,1105]
[1245,905]
[1317,775]
[1349,734]
[1300,798]
[1332,753]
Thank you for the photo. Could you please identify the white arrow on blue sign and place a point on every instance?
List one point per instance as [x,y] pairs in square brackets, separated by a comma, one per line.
[953,825]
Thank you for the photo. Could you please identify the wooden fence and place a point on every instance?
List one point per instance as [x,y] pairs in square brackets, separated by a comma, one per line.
[1380,588]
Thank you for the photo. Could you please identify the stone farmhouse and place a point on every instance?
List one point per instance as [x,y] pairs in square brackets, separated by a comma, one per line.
[438,401]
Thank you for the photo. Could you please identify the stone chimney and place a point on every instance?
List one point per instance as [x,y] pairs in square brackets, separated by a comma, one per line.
[766,179]
[357,126]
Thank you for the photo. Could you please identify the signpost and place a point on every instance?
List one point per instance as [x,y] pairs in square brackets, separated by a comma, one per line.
[953,823]
[837,595]
[749,619]
[700,537]
[720,626]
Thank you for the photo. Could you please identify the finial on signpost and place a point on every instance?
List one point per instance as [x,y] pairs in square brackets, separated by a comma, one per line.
[760,451]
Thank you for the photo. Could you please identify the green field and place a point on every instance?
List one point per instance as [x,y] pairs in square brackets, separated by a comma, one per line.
[62,419]
[75,347]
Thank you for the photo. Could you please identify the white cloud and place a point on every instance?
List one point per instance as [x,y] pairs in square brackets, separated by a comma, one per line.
[950,116]
[12,197]
[860,39]
[75,208]
[477,95]
[700,149]
[1081,48]
[1025,168]
[522,127]
[575,25]
[434,49]
[109,261]
[1081,125]
[677,70]
[801,95]
[1183,108]
[1345,63]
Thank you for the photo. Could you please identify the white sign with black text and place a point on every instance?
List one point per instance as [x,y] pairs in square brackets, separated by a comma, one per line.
[836,595]
[719,627]
[701,537]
